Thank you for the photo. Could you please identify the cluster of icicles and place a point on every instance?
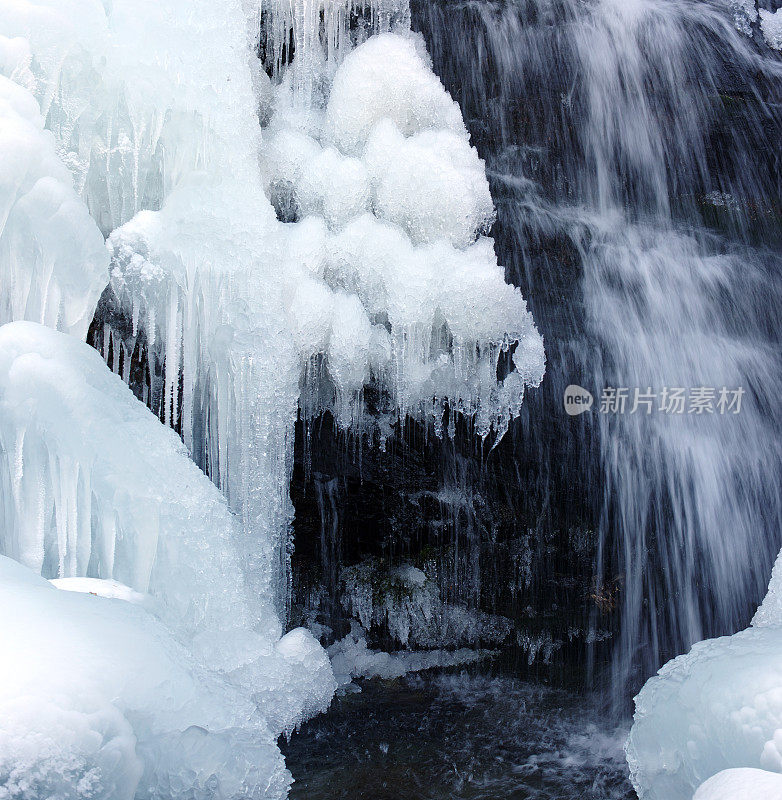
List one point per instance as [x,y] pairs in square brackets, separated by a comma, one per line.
[260,242]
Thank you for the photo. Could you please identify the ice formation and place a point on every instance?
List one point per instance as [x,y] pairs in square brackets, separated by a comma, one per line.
[746,12]
[771,25]
[406,605]
[719,707]
[95,486]
[275,245]
[53,263]
[99,700]
[741,784]
[352,658]
[221,313]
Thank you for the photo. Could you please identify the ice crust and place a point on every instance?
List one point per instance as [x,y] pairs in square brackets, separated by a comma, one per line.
[717,708]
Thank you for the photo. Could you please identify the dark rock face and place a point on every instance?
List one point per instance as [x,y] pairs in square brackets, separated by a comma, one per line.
[469,516]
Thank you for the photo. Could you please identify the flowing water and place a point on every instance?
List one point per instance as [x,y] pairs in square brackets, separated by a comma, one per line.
[641,139]
[633,152]
[475,737]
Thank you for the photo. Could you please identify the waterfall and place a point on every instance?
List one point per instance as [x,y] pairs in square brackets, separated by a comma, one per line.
[633,152]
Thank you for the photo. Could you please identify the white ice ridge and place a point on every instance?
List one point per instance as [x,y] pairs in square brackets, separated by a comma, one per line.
[53,262]
[91,484]
[100,700]
[717,708]
[352,658]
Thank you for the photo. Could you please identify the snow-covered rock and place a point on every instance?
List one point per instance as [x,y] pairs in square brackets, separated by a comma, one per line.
[719,707]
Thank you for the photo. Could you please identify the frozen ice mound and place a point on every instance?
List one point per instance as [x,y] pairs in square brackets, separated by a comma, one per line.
[403,291]
[53,262]
[387,78]
[100,496]
[771,25]
[99,700]
[94,485]
[719,707]
[741,784]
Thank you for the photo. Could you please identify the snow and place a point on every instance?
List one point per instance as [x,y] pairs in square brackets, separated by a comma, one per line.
[719,707]
[387,78]
[741,784]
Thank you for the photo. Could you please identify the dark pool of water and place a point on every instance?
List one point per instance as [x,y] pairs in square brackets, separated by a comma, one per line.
[467,736]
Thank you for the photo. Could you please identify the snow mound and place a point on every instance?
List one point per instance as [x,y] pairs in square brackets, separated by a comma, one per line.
[98,700]
[741,784]
[717,707]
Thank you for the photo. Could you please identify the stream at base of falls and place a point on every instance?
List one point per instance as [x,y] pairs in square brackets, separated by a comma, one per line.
[474,734]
